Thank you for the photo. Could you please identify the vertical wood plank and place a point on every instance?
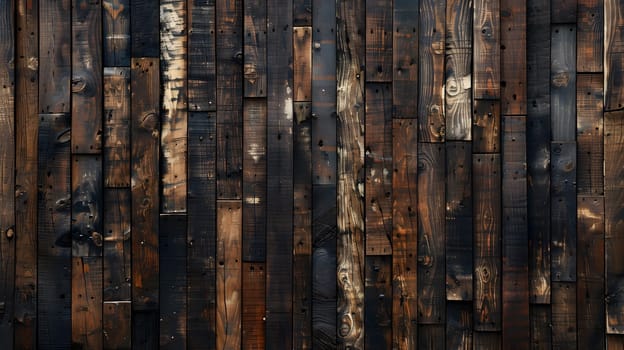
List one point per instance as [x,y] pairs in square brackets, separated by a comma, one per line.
[459,325]
[590,36]
[255,45]
[486,50]
[144,24]
[302,63]
[513,57]
[253,305]
[55,60]
[378,299]
[116,33]
[431,247]
[116,127]
[458,79]
[86,302]
[378,40]
[116,325]
[201,74]
[564,315]
[541,327]
[614,55]
[486,127]
[589,134]
[302,12]
[486,184]
[563,82]
[565,11]
[431,71]
[87,205]
[404,58]
[487,340]
[229,279]
[431,337]
[117,246]
[615,342]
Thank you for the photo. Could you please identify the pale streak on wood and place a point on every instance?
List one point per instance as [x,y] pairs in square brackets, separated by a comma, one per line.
[174,105]
[614,54]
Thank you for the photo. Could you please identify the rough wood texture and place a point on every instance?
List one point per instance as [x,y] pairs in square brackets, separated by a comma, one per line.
[541,327]
[116,33]
[614,55]
[117,245]
[513,58]
[486,51]
[86,302]
[431,337]
[378,40]
[459,325]
[144,23]
[589,135]
[87,205]
[486,127]
[302,63]
[253,305]
[255,46]
[563,82]
[404,58]
[378,298]
[201,56]
[116,127]
[564,315]
[566,11]
[590,36]
[55,65]
[116,325]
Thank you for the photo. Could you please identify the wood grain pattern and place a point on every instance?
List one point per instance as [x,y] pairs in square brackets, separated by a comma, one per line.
[431,336]
[302,63]
[117,246]
[116,33]
[541,326]
[116,150]
[513,57]
[144,23]
[614,54]
[459,325]
[564,319]
[86,302]
[253,305]
[378,40]
[590,36]
[563,82]
[87,205]
[378,298]
[404,58]
[589,134]
[255,46]
[486,51]
[486,128]
[201,70]
[566,11]
[55,59]
[116,324]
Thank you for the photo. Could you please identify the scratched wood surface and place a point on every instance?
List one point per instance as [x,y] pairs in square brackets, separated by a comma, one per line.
[351,174]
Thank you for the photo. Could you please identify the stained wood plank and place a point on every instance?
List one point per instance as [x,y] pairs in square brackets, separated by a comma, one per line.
[86,302]
[486,184]
[513,57]
[116,127]
[404,233]
[144,23]
[302,63]
[431,336]
[487,340]
[486,127]
[255,46]
[459,325]
[565,13]
[404,58]
[302,12]
[116,325]
[589,134]
[172,280]
[486,50]
[614,54]
[615,342]
[55,60]
[590,36]
[87,206]
[54,325]
[86,68]
[253,305]
[564,315]
[614,219]
[229,154]
[116,33]
[563,211]
[378,162]
[145,200]
[378,299]
[541,327]
[302,227]
[229,279]
[458,85]
[458,220]
[431,71]
[590,290]
[350,203]
[563,82]
[254,180]
[201,72]
[378,40]
[431,237]
[201,235]
[117,245]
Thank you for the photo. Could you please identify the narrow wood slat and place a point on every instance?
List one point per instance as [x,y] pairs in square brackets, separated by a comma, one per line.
[229,279]
[486,50]
[614,55]
[486,127]
[201,74]
[589,134]
[255,46]
[459,325]
[615,342]
[563,82]
[431,337]
[116,325]
[302,12]
[144,24]
[590,36]
[564,329]
[431,247]
[404,58]
[458,220]
[378,40]
[513,57]
[117,245]
[458,79]
[302,63]
[86,70]
[565,11]
[431,71]
[87,205]
[86,302]
[378,299]
[116,33]
[378,162]
[541,327]
[487,340]
[55,60]
[116,127]
[253,305]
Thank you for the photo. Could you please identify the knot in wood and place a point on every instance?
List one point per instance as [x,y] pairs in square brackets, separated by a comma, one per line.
[10,233]
[346,324]
[561,79]
[79,84]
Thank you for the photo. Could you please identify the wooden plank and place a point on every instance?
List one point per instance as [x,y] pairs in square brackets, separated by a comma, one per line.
[378,300]
[253,301]
[589,134]
[615,342]
[590,290]
[590,36]
[564,315]
[116,325]
[144,23]
[378,162]
[563,82]
[174,116]
[404,58]
[350,202]
[431,71]
[302,227]
[86,97]
[431,337]
[172,280]
[254,180]
[458,86]
[513,57]
[279,234]
[486,127]
[145,200]
[302,63]
[55,67]
[378,40]
[229,154]
[486,50]
[486,184]
[117,245]
[614,55]
[541,327]
[229,279]
[20,78]
[431,218]
[86,302]
[302,12]
[538,148]
[459,325]
[201,250]
[116,33]
[324,93]
[614,219]
[563,211]
[565,11]
[87,205]
[458,220]
[116,127]
[404,233]
[487,340]
[201,74]
[53,318]
[255,46]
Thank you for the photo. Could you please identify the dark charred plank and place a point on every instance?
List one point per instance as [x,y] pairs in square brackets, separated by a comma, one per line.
[590,36]
[144,23]
[563,82]
[486,127]
[541,326]
[202,88]
[55,65]
[116,33]
[116,127]
[302,12]
[302,63]
[116,325]
[378,299]
[614,55]
[86,302]
[253,305]
[54,309]
[513,58]
[87,205]
[487,340]
[255,46]
[589,134]
[229,154]
[459,325]
[431,337]
[117,245]
[378,40]
[565,11]
[564,315]
[404,58]
[486,50]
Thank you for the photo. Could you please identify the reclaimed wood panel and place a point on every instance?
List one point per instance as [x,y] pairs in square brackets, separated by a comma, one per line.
[116,148]
[117,245]
[87,206]
[459,325]
[378,298]
[486,128]
[564,319]
[486,50]
[404,56]
[378,40]
[55,58]
[253,305]
[589,134]
[566,11]
[431,337]
[116,325]
[563,82]
[513,57]
[302,63]
[144,24]
[541,326]
[86,302]
[302,12]
[613,55]
[590,36]
[255,47]
[116,33]
[201,46]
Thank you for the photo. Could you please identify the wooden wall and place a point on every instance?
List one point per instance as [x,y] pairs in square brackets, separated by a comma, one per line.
[250,174]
